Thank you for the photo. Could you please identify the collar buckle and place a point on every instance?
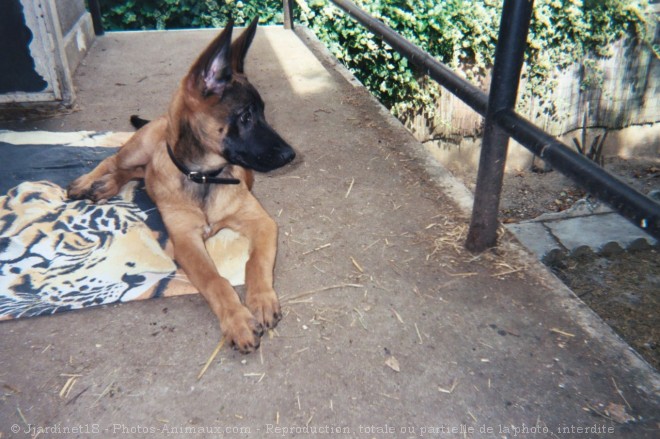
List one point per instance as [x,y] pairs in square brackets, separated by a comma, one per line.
[200,177]
[197,177]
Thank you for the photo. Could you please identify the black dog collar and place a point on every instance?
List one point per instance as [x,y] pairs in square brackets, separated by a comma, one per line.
[200,177]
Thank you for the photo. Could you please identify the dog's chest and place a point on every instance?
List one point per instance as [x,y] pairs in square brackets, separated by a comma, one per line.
[213,199]
[201,193]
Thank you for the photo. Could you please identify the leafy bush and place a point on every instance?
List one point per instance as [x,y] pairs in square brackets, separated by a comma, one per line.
[463,35]
[453,33]
[180,14]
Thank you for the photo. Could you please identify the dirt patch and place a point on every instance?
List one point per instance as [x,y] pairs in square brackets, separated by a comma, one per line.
[527,194]
[624,288]
[625,291]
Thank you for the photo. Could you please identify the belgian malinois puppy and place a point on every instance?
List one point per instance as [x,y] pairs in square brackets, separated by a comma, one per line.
[197,163]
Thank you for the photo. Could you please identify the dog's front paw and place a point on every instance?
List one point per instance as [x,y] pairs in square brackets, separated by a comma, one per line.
[265,307]
[98,191]
[242,330]
[79,188]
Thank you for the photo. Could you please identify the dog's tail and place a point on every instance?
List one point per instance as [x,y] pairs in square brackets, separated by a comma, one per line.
[138,122]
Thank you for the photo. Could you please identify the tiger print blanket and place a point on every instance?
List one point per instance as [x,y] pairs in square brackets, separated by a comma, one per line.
[58,255]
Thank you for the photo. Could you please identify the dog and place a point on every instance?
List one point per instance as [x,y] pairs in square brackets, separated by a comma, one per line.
[197,162]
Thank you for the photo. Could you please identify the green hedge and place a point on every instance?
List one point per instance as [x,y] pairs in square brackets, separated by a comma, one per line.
[183,14]
[460,33]
[463,34]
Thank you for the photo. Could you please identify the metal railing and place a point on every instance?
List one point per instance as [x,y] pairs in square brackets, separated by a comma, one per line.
[502,122]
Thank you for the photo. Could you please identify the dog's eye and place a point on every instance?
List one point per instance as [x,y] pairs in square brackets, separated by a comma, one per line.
[246,117]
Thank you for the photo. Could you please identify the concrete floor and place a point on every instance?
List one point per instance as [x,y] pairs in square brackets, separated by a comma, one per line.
[371,270]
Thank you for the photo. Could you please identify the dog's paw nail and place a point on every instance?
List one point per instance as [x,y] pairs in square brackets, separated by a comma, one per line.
[252,347]
[272,322]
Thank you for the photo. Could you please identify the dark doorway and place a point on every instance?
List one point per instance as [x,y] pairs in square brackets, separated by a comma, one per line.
[17,72]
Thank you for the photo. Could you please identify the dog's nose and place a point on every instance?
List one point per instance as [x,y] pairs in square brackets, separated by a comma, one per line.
[288,155]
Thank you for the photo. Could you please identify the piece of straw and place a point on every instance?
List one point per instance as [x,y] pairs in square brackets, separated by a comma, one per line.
[211,358]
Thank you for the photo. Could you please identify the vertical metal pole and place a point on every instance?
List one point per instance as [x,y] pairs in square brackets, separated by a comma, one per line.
[509,55]
[287,6]
[95,10]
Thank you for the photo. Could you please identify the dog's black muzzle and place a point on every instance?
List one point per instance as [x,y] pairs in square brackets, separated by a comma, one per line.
[262,150]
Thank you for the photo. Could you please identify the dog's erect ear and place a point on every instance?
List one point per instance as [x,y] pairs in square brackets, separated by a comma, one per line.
[213,69]
[240,47]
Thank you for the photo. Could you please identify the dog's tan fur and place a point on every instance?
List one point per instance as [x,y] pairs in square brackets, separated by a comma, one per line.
[194,212]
